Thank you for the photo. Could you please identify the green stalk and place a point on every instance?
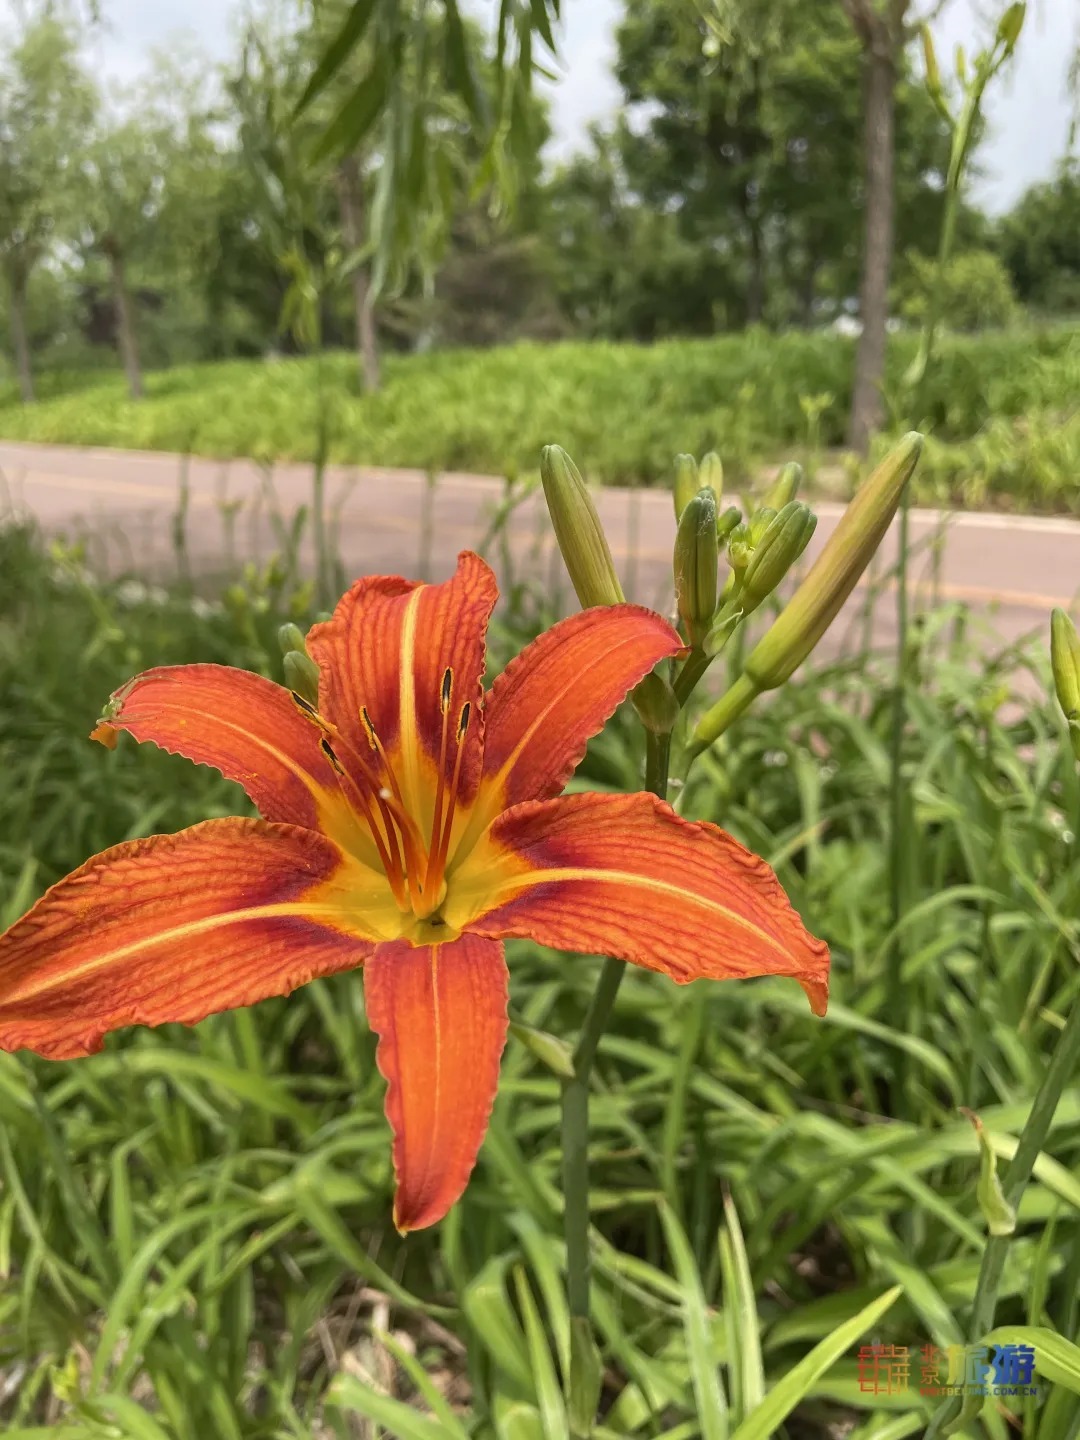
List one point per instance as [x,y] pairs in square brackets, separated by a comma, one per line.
[961,144]
[1064,1064]
[575,1092]
[1062,1067]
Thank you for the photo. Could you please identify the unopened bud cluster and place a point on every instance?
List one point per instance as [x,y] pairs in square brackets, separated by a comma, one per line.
[760,550]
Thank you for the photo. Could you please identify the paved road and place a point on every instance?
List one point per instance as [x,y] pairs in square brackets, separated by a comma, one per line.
[396,521]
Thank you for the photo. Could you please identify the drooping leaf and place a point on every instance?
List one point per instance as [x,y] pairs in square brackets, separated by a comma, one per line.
[347,39]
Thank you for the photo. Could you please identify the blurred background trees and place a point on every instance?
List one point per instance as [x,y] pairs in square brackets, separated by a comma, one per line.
[371,174]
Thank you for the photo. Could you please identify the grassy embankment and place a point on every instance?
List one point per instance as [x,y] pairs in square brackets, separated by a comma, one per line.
[1006,423]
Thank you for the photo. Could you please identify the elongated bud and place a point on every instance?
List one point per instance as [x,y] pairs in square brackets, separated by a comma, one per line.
[726,523]
[711,475]
[783,542]
[302,675]
[933,73]
[585,553]
[1065,662]
[1010,25]
[758,523]
[578,531]
[686,482]
[785,487]
[291,637]
[696,565]
[832,577]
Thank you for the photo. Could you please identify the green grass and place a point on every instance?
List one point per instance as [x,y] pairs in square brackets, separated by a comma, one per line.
[194,1225]
[1008,431]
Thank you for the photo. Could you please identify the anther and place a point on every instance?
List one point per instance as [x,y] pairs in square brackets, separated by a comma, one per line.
[324,746]
[304,705]
[447,686]
[463,723]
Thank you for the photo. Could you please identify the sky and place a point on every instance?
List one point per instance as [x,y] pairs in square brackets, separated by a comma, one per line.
[1028,110]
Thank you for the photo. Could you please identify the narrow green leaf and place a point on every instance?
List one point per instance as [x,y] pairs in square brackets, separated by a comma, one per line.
[337,52]
[352,1396]
[1056,1359]
[795,1385]
[704,1371]
[433,1398]
[459,65]
[545,1380]
[740,1310]
[358,114]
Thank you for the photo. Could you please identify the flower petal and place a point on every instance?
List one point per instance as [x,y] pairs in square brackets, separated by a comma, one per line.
[386,649]
[440,1014]
[623,875]
[559,691]
[243,725]
[178,927]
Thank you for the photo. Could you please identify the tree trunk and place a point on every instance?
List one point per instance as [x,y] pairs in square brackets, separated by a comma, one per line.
[20,339]
[351,204]
[125,321]
[879,85]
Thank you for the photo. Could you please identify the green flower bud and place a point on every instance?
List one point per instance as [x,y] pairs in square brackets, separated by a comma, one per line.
[291,637]
[783,542]
[758,523]
[739,547]
[785,486]
[1010,25]
[711,474]
[726,523]
[696,564]
[578,531]
[832,577]
[585,552]
[549,1049]
[1065,662]
[686,482]
[933,72]
[655,703]
[302,675]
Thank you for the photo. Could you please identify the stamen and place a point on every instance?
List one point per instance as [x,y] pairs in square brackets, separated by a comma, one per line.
[387,849]
[411,842]
[400,871]
[437,861]
[440,789]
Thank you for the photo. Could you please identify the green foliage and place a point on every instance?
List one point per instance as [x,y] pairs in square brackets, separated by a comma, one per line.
[1040,242]
[974,292]
[625,410]
[745,133]
[194,1232]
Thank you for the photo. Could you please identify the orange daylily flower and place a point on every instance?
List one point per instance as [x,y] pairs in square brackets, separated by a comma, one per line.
[411,823]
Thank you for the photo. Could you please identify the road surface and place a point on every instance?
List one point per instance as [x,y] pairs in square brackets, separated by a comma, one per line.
[1013,569]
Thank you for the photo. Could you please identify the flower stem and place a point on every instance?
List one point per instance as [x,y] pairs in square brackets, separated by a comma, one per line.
[575,1092]
[1062,1067]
